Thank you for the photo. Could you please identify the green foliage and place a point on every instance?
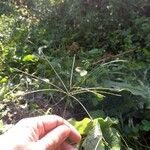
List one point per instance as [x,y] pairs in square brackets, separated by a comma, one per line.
[105,26]
[145,125]
[111,73]
[32,58]
[98,134]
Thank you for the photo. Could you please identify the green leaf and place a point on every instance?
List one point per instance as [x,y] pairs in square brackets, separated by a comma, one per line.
[4,80]
[95,131]
[32,58]
[112,138]
[145,125]
[143,91]
[94,139]
[107,122]
[97,113]
[83,126]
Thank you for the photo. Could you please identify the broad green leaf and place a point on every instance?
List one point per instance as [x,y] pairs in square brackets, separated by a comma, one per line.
[32,58]
[94,139]
[83,126]
[95,130]
[112,138]
[143,91]
[107,122]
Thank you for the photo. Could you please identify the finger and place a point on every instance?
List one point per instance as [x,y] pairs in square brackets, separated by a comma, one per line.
[74,136]
[54,138]
[66,146]
[43,124]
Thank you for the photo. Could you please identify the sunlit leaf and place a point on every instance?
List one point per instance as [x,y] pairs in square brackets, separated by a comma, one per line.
[83,126]
[107,122]
[4,80]
[32,58]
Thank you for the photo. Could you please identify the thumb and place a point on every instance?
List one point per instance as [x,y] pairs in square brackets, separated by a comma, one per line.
[54,138]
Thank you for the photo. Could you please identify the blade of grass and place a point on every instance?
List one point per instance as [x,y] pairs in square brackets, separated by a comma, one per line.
[59,101]
[100,92]
[95,88]
[82,106]
[71,76]
[16,86]
[35,77]
[113,61]
[98,67]
[103,65]
[42,90]
[55,72]
[92,90]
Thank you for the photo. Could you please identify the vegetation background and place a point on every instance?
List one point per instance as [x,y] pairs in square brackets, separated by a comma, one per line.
[83,59]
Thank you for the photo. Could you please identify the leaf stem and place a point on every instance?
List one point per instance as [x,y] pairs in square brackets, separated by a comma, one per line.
[71,76]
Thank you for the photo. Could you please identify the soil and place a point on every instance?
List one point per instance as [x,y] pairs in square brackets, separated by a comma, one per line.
[13,111]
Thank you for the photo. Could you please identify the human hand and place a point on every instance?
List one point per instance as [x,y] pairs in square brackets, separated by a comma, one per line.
[40,133]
